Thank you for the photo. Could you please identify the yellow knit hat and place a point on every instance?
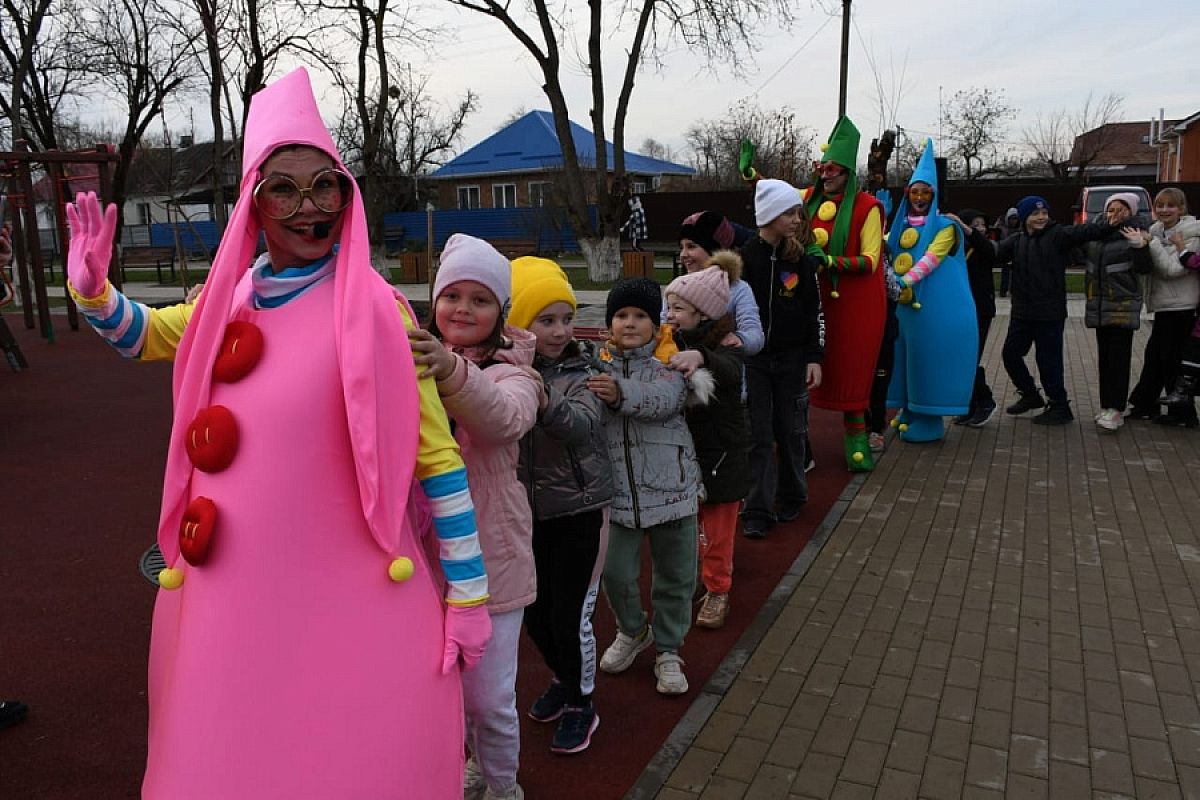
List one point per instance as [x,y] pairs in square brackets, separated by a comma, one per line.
[536,283]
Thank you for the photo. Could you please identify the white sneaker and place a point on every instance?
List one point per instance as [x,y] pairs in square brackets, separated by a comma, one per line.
[474,786]
[515,793]
[624,649]
[1110,419]
[668,668]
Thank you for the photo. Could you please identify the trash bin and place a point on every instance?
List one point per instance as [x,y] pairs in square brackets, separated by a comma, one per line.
[637,264]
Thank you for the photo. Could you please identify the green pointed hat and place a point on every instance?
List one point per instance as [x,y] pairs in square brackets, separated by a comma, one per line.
[843,144]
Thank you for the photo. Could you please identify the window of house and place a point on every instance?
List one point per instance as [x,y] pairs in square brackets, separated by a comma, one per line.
[468,197]
[639,187]
[143,212]
[540,193]
[504,195]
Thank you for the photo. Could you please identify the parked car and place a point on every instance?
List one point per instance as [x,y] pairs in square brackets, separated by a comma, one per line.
[1092,200]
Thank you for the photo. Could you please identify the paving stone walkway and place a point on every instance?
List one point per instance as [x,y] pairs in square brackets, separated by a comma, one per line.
[1012,612]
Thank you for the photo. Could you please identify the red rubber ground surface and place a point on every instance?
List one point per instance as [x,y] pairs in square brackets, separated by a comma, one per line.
[82,446]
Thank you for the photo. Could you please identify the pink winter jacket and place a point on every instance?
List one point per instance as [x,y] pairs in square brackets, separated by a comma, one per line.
[492,410]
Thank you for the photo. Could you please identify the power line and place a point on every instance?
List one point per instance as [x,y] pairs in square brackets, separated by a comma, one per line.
[791,58]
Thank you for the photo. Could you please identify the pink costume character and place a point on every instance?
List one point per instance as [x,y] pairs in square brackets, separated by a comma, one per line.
[307,650]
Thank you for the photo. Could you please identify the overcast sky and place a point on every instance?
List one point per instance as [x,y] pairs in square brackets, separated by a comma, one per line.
[1043,54]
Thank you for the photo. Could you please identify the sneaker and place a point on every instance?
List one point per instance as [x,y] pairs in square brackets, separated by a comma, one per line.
[1174,420]
[1055,414]
[789,512]
[1110,419]
[515,793]
[624,649]
[575,730]
[714,611]
[668,668]
[550,705]
[810,464]
[474,785]
[1136,412]
[962,419]
[875,442]
[755,528]
[1025,402]
[982,416]
[12,712]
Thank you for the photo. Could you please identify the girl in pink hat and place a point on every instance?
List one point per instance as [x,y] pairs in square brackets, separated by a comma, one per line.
[304,644]
[485,376]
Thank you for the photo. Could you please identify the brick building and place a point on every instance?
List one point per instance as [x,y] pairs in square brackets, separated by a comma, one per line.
[1178,145]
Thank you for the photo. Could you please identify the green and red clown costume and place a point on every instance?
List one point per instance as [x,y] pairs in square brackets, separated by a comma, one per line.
[937,349]
[848,228]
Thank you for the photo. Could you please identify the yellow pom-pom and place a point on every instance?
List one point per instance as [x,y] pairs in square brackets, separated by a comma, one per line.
[827,211]
[401,569]
[170,578]
[895,423]
[916,306]
[902,264]
[858,457]
[824,146]
[821,237]
[903,427]
[834,294]
[909,237]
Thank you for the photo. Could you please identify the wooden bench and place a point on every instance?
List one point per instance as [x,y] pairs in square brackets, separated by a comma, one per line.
[515,248]
[147,256]
[595,334]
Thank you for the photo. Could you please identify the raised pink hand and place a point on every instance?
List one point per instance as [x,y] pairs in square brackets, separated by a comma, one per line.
[91,243]
[468,630]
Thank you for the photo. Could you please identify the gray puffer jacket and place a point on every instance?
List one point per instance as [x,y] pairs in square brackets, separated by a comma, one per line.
[564,459]
[656,477]
[1112,285]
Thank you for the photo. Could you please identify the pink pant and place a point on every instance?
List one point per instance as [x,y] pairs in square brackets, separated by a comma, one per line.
[718,530]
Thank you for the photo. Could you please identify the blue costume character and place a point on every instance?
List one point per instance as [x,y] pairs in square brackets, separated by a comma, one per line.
[937,346]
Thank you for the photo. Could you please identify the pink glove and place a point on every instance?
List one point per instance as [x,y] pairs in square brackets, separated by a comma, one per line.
[467,633]
[91,243]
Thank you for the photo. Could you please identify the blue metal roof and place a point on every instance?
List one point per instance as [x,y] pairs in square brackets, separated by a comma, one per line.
[530,144]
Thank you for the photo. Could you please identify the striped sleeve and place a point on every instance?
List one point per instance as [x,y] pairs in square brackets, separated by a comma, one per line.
[133,329]
[458,538]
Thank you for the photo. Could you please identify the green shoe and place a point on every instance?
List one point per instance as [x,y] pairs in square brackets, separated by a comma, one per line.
[858,452]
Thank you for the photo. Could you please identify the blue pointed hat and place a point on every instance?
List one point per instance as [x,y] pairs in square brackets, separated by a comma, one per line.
[924,172]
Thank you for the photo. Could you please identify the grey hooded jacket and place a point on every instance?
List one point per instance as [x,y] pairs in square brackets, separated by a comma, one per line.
[564,459]
[656,477]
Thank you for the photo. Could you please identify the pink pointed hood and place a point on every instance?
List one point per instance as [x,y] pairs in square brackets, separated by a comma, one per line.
[374,358]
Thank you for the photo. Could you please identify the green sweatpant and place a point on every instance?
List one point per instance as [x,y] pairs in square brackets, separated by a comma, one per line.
[673,555]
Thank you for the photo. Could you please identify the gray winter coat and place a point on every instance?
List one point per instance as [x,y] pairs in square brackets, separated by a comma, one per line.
[564,459]
[656,477]
[1112,285]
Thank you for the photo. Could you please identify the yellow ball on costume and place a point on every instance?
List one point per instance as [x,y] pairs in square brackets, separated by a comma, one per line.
[827,211]
[858,457]
[902,264]
[401,569]
[834,294]
[824,146]
[903,427]
[909,237]
[821,237]
[895,423]
[916,306]
[170,578]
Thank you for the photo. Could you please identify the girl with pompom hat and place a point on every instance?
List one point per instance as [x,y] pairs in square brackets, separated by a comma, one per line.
[298,588]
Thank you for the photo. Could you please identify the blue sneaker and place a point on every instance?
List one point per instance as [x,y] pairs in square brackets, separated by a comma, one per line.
[550,705]
[575,730]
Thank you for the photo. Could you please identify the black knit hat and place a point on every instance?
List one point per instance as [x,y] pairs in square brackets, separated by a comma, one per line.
[708,229]
[640,293]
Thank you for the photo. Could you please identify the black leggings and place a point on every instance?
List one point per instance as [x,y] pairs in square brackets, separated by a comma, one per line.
[1169,333]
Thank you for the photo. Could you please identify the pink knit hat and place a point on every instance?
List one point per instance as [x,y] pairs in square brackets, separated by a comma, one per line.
[707,290]
[466,258]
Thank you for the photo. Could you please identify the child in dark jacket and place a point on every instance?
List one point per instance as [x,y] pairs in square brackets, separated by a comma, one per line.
[566,470]
[1040,254]
[698,307]
[656,486]
[784,281]
[981,259]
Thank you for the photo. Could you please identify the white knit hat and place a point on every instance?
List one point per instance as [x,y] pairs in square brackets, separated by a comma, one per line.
[1128,198]
[773,197]
[466,258]
[707,290]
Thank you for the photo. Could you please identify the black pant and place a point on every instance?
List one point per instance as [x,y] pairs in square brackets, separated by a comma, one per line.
[1047,337]
[565,552]
[877,412]
[1169,333]
[1115,348]
[1005,278]
[981,394]
[777,394]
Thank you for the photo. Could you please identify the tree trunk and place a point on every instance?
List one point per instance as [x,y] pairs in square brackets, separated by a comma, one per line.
[603,257]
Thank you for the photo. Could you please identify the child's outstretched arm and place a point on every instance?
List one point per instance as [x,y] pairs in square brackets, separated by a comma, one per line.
[497,406]
[572,416]
[657,400]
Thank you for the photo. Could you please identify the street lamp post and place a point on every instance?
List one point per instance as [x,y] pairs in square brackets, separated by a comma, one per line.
[845,56]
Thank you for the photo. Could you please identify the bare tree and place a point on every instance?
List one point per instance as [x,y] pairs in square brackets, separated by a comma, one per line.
[1066,143]
[976,120]
[721,30]
[138,51]
[655,149]
[26,20]
[783,147]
